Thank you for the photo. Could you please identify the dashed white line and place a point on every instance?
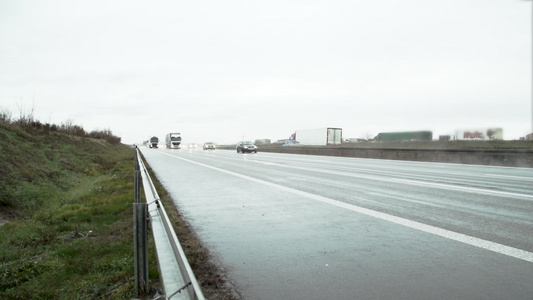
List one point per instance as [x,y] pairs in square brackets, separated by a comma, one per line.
[509,176]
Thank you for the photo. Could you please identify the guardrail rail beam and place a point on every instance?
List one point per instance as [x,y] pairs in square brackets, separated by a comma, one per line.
[177,278]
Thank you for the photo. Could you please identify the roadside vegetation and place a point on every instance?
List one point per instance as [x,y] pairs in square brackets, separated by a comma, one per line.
[66,216]
[65,197]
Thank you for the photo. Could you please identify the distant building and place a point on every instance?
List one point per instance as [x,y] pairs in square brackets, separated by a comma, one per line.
[529,137]
[262,141]
[479,134]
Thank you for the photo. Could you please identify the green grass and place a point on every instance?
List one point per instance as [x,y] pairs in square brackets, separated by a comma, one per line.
[69,204]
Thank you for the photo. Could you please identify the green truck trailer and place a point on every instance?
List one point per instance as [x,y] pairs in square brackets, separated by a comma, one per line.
[404,136]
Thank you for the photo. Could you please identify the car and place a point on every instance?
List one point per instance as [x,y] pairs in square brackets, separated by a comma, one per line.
[291,143]
[246,146]
[209,146]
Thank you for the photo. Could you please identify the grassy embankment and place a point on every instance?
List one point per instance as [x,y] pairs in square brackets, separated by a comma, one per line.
[66,207]
[68,200]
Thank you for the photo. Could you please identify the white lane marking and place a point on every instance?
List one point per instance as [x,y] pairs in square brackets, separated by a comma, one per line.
[459,237]
[456,187]
[509,176]
[412,182]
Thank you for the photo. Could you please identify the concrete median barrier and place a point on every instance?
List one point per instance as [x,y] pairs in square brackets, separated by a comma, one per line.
[493,157]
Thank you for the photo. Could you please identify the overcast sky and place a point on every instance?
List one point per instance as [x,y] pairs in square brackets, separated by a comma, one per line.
[223,70]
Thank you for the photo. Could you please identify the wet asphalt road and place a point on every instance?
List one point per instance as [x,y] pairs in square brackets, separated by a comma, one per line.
[314,227]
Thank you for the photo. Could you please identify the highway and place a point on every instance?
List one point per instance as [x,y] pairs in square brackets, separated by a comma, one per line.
[314,227]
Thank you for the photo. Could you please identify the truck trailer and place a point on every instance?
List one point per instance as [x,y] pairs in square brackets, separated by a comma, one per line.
[318,136]
[404,136]
[173,140]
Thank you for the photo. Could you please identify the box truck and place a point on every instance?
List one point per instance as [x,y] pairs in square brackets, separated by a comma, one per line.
[318,136]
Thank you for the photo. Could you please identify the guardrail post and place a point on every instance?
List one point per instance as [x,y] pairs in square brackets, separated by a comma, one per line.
[140,240]
[137,179]
[137,187]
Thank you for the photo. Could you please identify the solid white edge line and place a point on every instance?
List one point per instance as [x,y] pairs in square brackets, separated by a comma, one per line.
[459,237]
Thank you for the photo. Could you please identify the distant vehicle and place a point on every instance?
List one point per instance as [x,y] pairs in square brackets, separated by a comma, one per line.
[291,143]
[192,146]
[355,140]
[173,140]
[246,146]
[404,136]
[318,136]
[153,142]
[209,146]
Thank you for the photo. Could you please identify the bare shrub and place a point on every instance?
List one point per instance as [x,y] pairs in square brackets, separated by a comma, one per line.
[5,117]
[105,134]
[50,127]
[26,117]
[27,122]
[69,127]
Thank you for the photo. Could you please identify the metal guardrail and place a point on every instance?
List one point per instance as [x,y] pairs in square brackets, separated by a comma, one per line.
[177,277]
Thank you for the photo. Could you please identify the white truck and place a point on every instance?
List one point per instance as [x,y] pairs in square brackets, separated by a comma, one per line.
[318,136]
[173,140]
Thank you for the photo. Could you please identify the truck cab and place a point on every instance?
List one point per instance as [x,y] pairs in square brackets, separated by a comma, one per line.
[153,142]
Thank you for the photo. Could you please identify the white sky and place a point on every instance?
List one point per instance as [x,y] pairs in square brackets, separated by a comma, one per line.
[221,70]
